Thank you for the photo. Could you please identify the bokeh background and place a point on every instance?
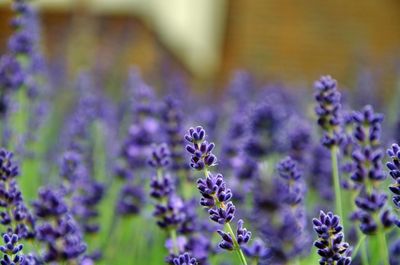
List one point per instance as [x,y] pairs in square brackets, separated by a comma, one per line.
[279,40]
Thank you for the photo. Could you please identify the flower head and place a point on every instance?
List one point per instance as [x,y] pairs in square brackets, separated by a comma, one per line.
[200,149]
[330,244]
[327,109]
[160,156]
[184,259]
[394,170]
[12,250]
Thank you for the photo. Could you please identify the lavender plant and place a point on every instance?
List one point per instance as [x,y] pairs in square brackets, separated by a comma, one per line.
[57,229]
[328,112]
[216,197]
[372,213]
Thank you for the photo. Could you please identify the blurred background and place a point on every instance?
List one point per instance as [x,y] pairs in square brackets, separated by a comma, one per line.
[205,41]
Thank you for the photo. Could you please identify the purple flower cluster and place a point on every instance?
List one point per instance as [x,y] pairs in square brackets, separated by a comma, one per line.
[216,197]
[368,172]
[200,150]
[13,213]
[56,228]
[85,193]
[184,259]
[394,170]
[284,228]
[328,110]
[330,243]
[264,121]
[172,118]
[12,251]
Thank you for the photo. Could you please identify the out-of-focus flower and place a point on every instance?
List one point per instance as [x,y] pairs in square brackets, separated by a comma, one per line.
[368,172]
[56,228]
[14,214]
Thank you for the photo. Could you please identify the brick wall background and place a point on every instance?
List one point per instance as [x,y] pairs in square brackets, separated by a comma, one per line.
[276,39]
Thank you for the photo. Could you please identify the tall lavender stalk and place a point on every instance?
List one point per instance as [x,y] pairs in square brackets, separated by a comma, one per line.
[373,215]
[169,206]
[216,197]
[328,108]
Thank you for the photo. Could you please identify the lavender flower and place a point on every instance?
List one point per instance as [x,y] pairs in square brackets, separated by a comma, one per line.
[130,200]
[330,244]
[57,229]
[172,123]
[200,149]
[394,170]
[160,156]
[14,215]
[215,196]
[265,121]
[257,251]
[12,250]
[22,41]
[368,173]
[242,235]
[328,99]
[85,193]
[284,215]
[184,259]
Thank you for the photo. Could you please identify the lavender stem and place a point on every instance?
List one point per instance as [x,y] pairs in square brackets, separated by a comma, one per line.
[336,181]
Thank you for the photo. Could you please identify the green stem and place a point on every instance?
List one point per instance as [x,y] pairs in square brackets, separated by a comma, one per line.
[336,182]
[383,247]
[237,247]
[363,246]
[159,174]
[172,233]
[255,261]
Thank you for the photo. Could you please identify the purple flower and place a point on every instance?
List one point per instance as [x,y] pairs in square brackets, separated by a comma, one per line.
[172,123]
[257,251]
[328,110]
[368,172]
[130,200]
[170,214]
[283,214]
[56,228]
[160,156]
[330,244]
[14,213]
[264,122]
[215,195]
[184,259]
[224,214]
[12,250]
[242,236]
[11,74]
[200,149]
[394,171]
[214,191]
[161,187]
[84,192]
[368,126]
